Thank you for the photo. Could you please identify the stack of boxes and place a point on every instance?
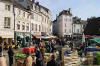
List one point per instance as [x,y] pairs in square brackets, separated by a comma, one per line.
[72,59]
[89,58]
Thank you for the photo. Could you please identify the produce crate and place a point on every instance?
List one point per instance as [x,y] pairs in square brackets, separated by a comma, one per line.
[98,58]
[89,58]
[19,62]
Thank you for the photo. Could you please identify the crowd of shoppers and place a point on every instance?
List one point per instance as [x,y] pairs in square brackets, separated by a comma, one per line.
[49,46]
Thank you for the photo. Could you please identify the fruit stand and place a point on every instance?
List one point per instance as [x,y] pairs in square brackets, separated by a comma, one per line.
[19,59]
[30,49]
[13,46]
[47,57]
[63,50]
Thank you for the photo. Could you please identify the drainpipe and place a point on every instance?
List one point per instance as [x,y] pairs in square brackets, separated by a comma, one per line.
[30,29]
[14,20]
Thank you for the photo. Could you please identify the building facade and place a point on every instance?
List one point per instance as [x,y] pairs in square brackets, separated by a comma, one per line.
[41,19]
[21,20]
[22,25]
[62,26]
[6,21]
[77,26]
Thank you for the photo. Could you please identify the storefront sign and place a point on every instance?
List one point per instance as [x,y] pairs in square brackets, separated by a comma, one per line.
[22,19]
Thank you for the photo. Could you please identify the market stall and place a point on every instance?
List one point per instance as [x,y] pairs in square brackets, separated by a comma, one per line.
[7,46]
[20,59]
[95,40]
[31,49]
[70,58]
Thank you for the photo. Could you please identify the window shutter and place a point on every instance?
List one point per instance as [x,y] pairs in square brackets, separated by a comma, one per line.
[5,22]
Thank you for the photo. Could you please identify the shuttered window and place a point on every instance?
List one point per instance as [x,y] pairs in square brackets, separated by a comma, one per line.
[7,22]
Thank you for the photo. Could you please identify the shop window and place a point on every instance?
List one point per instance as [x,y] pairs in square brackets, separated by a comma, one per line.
[19,39]
[27,39]
[7,22]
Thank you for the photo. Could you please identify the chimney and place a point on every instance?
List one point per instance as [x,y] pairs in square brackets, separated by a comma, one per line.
[37,3]
[33,1]
[70,10]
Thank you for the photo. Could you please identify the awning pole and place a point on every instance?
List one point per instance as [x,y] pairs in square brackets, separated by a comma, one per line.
[2,48]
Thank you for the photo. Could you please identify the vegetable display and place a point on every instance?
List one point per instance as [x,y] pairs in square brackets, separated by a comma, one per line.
[20,56]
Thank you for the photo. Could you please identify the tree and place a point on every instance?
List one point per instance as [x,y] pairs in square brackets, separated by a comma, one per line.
[93,26]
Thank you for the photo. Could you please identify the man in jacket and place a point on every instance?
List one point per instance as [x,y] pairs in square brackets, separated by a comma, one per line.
[52,62]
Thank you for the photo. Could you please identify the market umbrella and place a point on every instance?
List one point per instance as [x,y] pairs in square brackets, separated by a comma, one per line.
[83,38]
[53,36]
[88,36]
[95,40]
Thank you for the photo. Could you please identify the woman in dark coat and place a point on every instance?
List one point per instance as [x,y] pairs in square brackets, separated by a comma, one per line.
[10,54]
[39,59]
[1,40]
[53,62]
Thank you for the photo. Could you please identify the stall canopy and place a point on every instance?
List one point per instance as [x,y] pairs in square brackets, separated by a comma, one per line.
[45,37]
[37,35]
[53,36]
[83,38]
[91,37]
[88,36]
[95,40]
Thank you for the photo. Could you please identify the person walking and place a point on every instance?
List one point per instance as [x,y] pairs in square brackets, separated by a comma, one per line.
[2,58]
[39,59]
[0,50]
[10,54]
[52,62]
[1,46]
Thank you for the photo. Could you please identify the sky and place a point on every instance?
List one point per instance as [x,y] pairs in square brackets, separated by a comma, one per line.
[81,8]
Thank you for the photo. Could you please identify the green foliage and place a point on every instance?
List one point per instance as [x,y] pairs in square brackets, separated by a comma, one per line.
[20,56]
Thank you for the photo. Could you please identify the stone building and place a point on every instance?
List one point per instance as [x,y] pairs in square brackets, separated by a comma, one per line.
[22,19]
[77,26]
[22,24]
[6,21]
[62,26]
[41,19]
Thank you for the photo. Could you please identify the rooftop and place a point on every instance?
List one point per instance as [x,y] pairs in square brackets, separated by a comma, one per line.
[66,12]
